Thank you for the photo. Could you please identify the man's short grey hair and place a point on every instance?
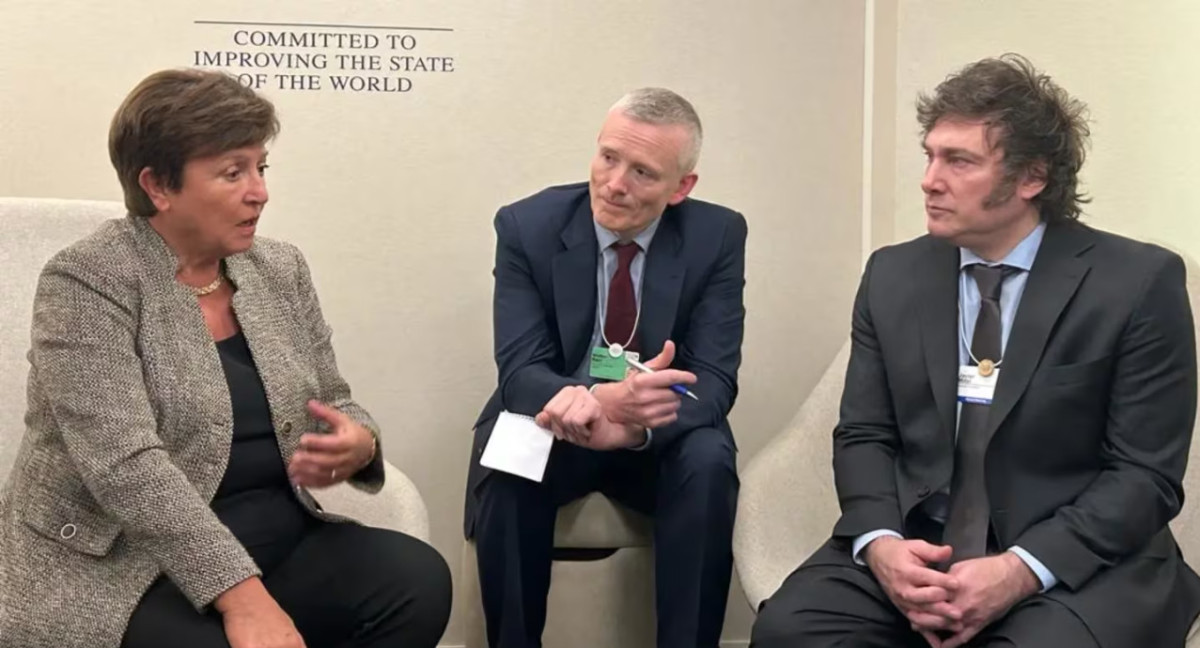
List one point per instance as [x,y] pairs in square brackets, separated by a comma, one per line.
[661,106]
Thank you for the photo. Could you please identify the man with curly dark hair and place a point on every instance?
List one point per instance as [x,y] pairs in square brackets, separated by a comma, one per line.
[1018,407]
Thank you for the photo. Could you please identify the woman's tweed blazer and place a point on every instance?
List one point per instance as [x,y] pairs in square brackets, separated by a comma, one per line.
[129,427]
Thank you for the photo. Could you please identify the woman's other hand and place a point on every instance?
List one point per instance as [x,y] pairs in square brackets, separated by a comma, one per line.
[254,620]
[327,459]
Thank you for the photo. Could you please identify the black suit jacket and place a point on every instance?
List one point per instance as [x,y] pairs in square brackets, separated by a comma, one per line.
[1090,425]
[544,307]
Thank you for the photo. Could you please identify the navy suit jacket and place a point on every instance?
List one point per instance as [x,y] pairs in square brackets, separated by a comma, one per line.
[544,307]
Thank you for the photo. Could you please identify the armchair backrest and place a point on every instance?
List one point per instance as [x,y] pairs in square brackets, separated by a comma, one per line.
[33,230]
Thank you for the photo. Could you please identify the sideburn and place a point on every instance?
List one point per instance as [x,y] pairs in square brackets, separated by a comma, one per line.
[1003,192]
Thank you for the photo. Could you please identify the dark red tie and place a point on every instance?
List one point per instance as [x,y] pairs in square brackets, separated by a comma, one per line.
[621,312]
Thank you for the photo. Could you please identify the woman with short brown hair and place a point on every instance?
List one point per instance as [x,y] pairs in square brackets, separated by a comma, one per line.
[183,397]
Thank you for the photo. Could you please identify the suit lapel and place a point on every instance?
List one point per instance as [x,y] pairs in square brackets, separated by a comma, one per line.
[662,280]
[172,308]
[939,331]
[573,274]
[1056,274]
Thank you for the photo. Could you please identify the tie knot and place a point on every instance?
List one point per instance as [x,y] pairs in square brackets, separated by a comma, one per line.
[625,252]
[990,279]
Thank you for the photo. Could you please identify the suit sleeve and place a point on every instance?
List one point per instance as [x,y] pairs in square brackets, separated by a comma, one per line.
[524,345]
[1151,411]
[85,357]
[334,391]
[866,438]
[712,347]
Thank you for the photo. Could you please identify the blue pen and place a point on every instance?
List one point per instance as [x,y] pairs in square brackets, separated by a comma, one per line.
[678,389]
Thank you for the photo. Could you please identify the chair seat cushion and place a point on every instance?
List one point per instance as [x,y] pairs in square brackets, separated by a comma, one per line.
[595,522]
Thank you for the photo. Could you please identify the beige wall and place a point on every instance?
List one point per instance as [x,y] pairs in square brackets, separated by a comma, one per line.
[391,197]
[1135,64]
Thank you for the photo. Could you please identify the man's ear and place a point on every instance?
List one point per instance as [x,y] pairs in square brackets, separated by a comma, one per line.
[155,188]
[1032,182]
[686,184]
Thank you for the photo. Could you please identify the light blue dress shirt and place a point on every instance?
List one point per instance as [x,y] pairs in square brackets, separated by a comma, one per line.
[1021,257]
[605,269]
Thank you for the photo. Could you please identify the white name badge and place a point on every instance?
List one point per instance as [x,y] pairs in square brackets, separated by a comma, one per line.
[974,388]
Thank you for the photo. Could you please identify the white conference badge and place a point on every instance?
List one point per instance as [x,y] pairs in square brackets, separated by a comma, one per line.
[974,387]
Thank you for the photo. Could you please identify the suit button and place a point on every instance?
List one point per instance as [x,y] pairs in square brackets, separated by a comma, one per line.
[68,531]
[923,491]
[287,427]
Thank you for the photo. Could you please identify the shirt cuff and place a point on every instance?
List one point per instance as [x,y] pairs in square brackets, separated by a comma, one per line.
[649,438]
[865,539]
[1045,575]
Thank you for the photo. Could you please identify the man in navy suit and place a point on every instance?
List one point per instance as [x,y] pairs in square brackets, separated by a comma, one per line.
[586,274]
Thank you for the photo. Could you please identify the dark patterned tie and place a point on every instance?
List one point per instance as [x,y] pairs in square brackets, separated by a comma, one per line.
[967,525]
[621,313]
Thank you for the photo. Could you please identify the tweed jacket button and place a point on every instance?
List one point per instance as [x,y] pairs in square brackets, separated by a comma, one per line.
[287,427]
[68,531]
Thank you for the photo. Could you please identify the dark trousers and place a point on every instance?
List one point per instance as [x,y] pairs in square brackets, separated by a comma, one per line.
[689,487]
[831,602]
[344,585]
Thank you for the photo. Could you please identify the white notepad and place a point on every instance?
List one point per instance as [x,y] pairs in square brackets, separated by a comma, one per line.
[518,446]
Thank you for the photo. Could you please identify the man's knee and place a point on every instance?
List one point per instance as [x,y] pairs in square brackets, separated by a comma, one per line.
[783,626]
[511,509]
[1039,622]
[504,492]
[784,615]
[706,453]
[829,605]
[774,623]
